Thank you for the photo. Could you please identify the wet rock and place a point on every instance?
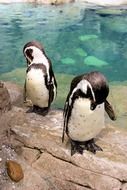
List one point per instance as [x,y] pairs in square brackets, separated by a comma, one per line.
[5,101]
[106,2]
[14,170]
[95,47]
[117,24]
[94,61]
[109,11]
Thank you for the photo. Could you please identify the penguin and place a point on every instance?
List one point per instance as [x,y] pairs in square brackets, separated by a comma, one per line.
[40,83]
[84,111]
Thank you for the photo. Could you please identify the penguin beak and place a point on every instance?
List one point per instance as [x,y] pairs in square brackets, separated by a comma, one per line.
[93,106]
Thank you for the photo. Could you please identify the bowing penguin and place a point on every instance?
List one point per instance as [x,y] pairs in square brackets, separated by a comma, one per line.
[40,83]
[84,111]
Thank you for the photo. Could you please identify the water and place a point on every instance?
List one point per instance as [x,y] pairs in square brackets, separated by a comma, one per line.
[77,40]
[70,35]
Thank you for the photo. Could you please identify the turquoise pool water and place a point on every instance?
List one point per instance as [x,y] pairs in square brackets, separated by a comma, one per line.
[77,40]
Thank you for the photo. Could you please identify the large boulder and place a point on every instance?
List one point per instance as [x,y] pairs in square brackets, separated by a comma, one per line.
[35,143]
[15,92]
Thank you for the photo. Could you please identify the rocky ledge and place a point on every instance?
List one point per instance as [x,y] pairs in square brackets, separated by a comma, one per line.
[34,142]
[52,2]
[58,2]
[106,2]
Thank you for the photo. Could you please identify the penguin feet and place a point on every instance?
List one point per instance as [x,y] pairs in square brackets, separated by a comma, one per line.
[75,147]
[38,110]
[79,147]
[91,146]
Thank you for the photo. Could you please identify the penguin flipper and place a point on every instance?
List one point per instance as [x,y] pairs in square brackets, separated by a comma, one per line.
[51,93]
[65,120]
[24,92]
[51,85]
[109,110]
[66,117]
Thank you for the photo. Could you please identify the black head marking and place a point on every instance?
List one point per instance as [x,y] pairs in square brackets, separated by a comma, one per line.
[99,85]
[35,44]
[28,55]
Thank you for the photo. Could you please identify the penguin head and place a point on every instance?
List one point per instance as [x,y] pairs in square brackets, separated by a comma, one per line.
[32,50]
[100,88]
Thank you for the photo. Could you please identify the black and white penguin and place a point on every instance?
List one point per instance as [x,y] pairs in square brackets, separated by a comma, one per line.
[40,83]
[84,111]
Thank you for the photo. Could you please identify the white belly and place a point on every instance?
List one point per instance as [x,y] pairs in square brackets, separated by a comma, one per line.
[85,124]
[36,89]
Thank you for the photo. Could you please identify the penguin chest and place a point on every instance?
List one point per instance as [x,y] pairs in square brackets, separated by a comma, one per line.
[85,124]
[36,89]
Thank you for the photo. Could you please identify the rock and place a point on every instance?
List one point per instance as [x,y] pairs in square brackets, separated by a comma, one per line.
[52,2]
[106,2]
[116,24]
[81,52]
[68,61]
[124,187]
[77,175]
[100,48]
[94,61]
[14,170]
[109,11]
[54,163]
[30,155]
[5,101]
[15,92]
[47,162]
[55,2]
[87,37]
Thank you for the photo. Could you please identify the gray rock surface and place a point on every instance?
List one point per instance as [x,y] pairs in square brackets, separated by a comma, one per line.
[5,101]
[15,92]
[35,143]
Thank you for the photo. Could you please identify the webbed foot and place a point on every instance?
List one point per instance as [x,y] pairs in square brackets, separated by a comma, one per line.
[91,146]
[75,147]
[38,110]
[79,147]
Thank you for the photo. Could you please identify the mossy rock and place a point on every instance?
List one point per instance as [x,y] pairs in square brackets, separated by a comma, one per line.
[94,61]
[68,61]
[81,52]
[87,37]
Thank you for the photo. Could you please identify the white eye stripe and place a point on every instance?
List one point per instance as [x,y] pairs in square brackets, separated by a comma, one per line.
[83,85]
